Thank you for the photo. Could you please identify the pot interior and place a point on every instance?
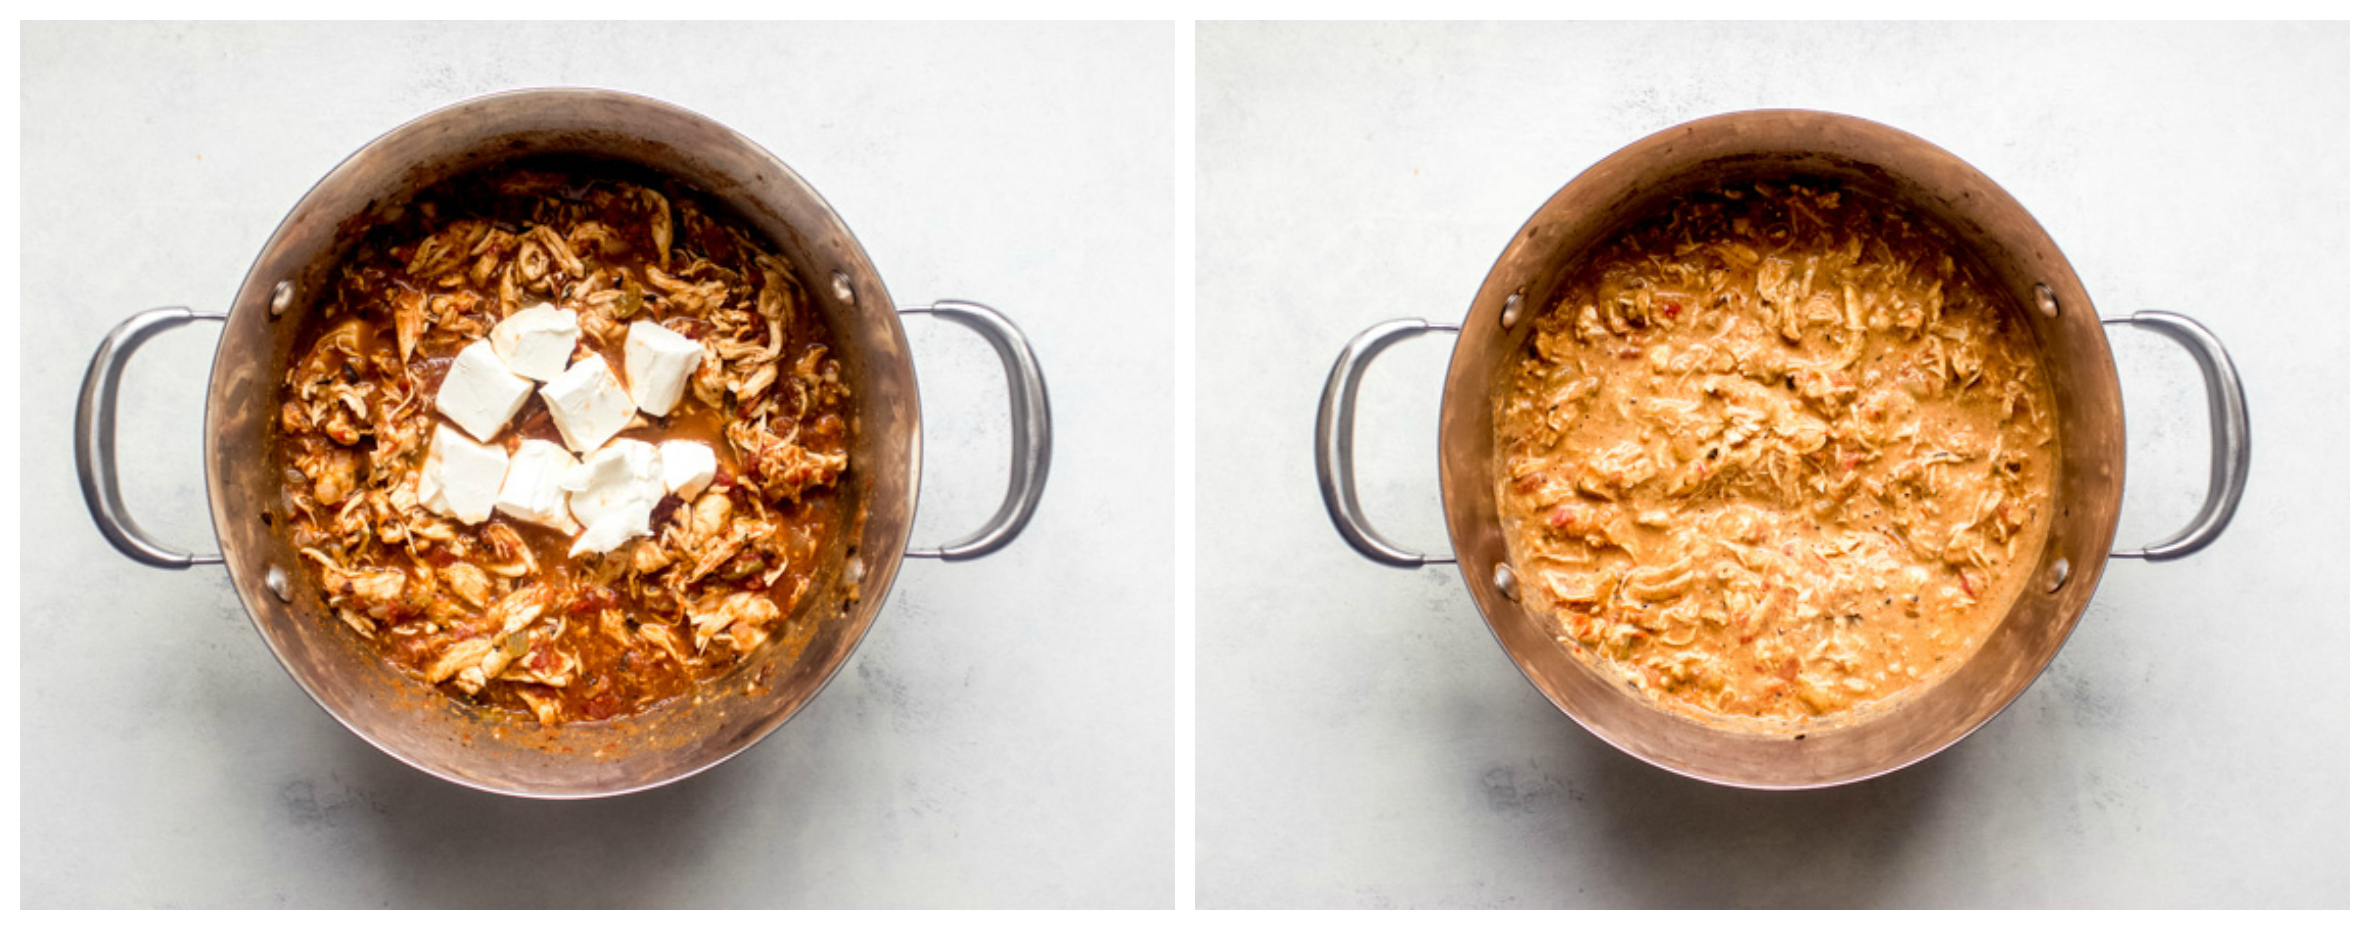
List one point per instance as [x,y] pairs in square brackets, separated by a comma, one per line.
[409,719]
[2010,247]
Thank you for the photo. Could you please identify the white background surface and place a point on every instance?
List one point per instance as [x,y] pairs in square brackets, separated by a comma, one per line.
[1363,741]
[1004,735]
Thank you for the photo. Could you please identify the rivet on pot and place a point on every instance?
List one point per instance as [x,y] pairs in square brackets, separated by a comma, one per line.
[2058,570]
[2046,299]
[1505,579]
[1512,312]
[276,581]
[842,288]
[283,295]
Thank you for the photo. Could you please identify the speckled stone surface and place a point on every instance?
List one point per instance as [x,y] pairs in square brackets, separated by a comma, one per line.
[1363,741]
[1003,737]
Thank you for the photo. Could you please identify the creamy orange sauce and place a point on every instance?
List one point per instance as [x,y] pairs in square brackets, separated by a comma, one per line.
[1775,454]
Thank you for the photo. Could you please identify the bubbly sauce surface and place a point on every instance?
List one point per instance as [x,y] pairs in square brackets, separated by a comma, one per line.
[1775,454]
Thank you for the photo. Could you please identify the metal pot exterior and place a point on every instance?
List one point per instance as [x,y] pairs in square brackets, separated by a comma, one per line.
[2005,239]
[419,725]
[2005,243]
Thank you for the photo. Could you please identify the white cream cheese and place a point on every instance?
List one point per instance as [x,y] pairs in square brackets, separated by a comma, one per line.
[687,467]
[588,405]
[613,493]
[532,491]
[480,393]
[658,361]
[461,479]
[536,342]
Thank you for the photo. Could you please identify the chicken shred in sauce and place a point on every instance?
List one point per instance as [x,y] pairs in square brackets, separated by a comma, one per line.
[1775,454]
[497,614]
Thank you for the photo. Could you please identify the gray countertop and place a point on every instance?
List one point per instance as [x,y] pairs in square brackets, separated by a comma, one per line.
[1363,741]
[1003,737]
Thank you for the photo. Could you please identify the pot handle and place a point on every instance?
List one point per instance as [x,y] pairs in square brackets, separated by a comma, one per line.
[2226,403]
[1032,429]
[94,436]
[1336,419]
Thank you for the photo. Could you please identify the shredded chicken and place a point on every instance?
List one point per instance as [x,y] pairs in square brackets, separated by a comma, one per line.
[747,614]
[1776,454]
[497,613]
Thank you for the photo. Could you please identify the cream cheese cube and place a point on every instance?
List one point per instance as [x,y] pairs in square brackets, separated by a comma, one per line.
[604,537]
[588,405]
[480,393]
[532,491]
[658,361]
[686,466]
[536,342]
[461,479]
[613,493]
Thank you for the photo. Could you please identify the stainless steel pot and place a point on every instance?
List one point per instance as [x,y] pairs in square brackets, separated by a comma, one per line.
[2005,239]
[408,719]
